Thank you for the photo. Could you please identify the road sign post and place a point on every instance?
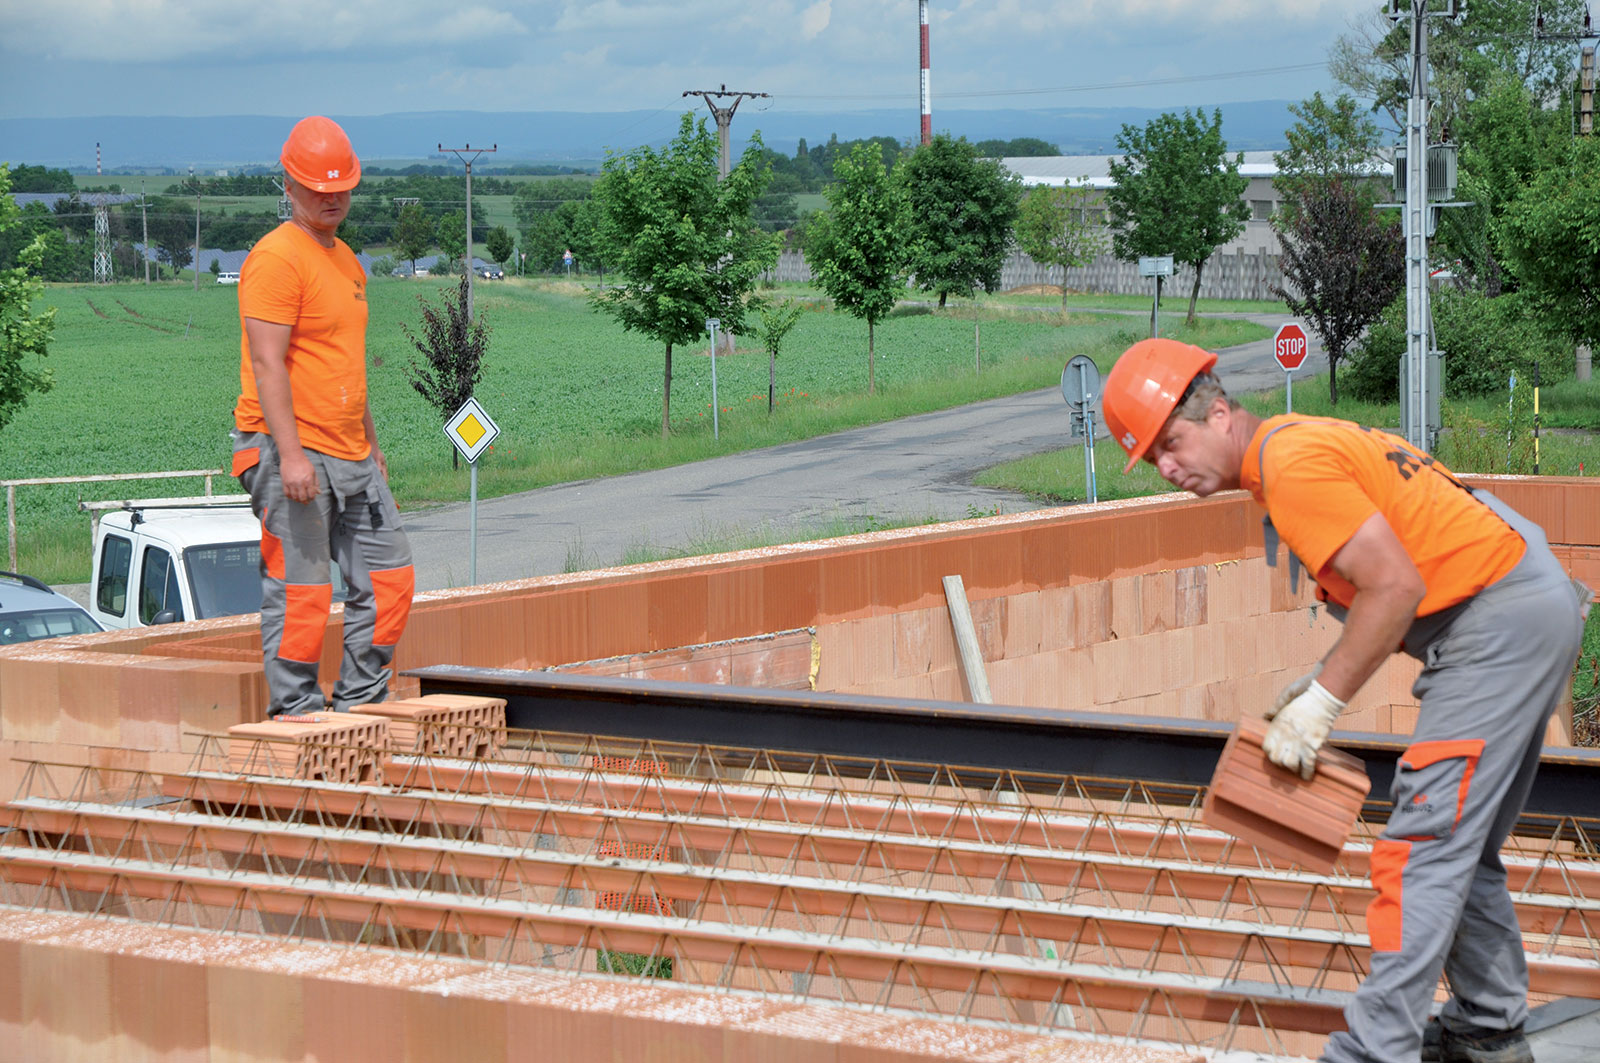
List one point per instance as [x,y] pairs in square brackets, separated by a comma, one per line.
[1289,347]
[1080,386]
[1156,266]
[566,260]
[712,324]
[471,430]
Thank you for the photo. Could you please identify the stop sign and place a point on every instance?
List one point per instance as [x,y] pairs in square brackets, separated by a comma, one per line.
[1289,346]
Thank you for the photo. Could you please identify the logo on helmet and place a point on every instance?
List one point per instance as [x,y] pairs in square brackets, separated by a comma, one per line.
[333,175]
[1128,441]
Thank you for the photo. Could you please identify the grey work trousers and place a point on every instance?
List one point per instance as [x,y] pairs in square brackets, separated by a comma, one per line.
[353,522]
[1494,669]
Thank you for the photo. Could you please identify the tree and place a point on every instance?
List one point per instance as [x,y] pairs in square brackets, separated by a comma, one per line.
[1551,238]
[1343,265]
[216,268]
[962,209]
[413,234]
[499,245]
[1328,142]
[682,240]
[1027,147]
[859,248]
[1176,192]
[1494,37]
[1054,228]
[775,319]
[172,231]
[453,346]
[451,236]
[24,334]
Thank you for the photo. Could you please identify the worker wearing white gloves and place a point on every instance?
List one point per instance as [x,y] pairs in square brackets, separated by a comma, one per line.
[1410,559]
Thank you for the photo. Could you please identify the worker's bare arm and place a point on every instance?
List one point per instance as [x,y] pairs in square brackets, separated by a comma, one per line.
[1388,589]
[269,360]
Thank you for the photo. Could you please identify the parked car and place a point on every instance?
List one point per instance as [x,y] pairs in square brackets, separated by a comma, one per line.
[492,273]
[30,610]
[164,560]
[228,277]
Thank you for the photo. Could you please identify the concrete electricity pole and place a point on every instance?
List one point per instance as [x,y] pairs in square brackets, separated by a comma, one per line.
[144,224]
[723,116]
[196,231]
[468,155]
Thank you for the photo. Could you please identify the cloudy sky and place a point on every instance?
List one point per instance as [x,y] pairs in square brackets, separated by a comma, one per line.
[293,57]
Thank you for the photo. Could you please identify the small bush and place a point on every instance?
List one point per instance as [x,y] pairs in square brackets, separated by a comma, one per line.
[1501,444]
[1484,341]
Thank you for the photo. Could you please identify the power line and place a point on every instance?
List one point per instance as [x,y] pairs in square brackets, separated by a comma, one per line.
[1178,80]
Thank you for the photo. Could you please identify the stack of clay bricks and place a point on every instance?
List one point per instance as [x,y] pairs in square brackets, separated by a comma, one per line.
[336,747]
[1304,822]
[444,725]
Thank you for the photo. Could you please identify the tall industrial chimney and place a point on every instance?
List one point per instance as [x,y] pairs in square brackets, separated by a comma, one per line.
[927,98]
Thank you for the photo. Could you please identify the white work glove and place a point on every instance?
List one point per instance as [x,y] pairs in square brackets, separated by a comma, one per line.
[1301,719]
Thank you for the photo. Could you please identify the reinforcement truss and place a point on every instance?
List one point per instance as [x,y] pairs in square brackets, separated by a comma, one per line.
[1035,902]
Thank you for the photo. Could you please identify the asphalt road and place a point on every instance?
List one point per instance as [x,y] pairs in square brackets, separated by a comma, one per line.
[908,469]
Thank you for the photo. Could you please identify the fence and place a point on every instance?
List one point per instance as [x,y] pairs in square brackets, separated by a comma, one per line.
[12,485]
[1227,275]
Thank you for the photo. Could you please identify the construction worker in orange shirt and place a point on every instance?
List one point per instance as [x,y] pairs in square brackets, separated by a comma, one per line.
[305,446]
[1409,558]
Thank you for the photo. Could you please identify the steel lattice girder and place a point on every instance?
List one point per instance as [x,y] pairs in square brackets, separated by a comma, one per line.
[1003,738]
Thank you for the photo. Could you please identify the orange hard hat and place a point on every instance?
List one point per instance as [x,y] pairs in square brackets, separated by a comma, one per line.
[1145,386]
[318,155]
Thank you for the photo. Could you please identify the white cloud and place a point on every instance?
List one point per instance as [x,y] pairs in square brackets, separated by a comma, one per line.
[814,19]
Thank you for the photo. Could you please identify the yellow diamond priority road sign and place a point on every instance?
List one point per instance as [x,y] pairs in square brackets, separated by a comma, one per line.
[471,430]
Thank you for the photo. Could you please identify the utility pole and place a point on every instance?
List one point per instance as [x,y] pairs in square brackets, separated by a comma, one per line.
[144,224]
[196,262]
[102,230]
[1585,64]
[724,116]
[724,119]
[468,155]
[1416,407]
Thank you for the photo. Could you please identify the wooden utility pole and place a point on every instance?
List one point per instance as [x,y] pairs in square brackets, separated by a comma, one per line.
[468,155]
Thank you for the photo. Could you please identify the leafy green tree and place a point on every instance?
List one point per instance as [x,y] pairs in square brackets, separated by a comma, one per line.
[172,231]
[585,237]
[1494,38]
[1176,192]
[1551,238]
[548,235]
[216,268]
[25,178]
[1026,147]
[451,236]
[24,334]
[962,209]
[682,240]
[1342,263]
[1334,141]
[413,234]
[452,346]
[859,249]
[499,245]
[1054,228]
[774,320]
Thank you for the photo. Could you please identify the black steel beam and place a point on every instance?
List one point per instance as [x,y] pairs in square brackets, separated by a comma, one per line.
[1157,750]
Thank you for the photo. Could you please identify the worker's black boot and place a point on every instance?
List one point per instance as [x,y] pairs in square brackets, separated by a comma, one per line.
[1441,1045]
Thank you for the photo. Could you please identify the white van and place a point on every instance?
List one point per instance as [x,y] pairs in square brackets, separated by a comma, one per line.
[228,277]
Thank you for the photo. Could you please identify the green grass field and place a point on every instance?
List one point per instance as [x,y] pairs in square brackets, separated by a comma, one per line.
[146,378]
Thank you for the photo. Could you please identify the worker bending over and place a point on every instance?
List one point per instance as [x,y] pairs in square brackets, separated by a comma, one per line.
[1409,558]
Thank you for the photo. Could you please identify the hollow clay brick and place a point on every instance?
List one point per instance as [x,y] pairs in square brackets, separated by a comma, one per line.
[341,747]
[1277,811]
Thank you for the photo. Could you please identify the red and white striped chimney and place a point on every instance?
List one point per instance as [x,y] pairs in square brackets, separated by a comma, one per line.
[927,98]
[97,153]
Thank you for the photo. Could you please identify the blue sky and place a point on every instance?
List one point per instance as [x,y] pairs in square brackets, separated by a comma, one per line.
[294,57]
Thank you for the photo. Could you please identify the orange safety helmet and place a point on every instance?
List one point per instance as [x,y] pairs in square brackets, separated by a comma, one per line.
[318,155]
[1145,386]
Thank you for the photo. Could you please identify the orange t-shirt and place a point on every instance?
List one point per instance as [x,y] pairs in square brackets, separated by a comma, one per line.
[1324,478]
[321,294]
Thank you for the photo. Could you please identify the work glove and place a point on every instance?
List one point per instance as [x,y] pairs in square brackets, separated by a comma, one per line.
[1301,719]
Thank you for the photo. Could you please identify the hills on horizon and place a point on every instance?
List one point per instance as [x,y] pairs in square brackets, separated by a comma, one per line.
[570,137]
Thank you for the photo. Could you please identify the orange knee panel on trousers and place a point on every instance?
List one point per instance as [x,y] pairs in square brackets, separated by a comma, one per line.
[1385,915]
[305,616]
[392,589]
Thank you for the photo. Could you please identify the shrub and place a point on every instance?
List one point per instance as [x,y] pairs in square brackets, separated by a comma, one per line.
[1484,341]
[383,266]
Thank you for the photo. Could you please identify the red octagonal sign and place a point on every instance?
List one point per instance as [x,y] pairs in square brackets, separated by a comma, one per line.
[1289,347]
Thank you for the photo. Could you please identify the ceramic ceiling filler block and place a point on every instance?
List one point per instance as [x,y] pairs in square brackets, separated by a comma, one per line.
[1277,811]
[444,725]
[341,747]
